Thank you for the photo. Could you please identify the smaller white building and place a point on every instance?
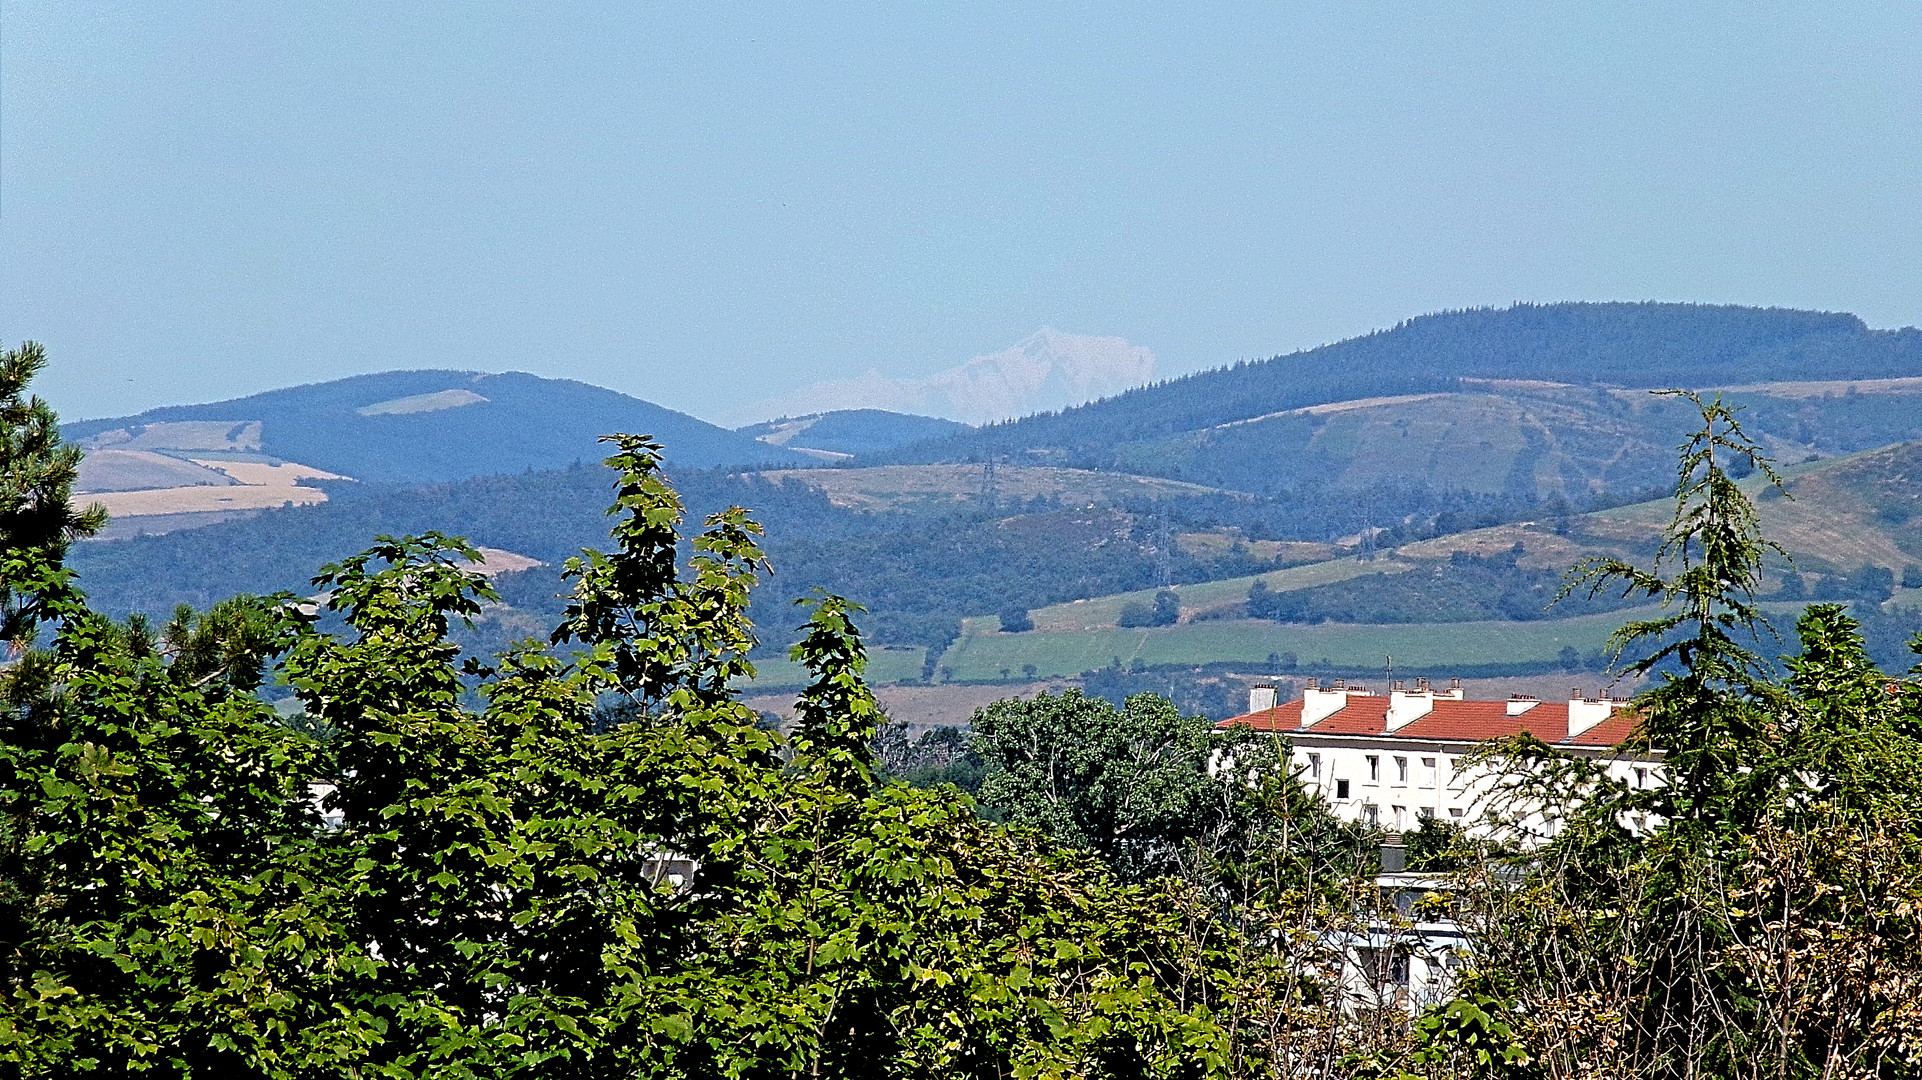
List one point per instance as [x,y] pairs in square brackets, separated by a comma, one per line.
[1394,759]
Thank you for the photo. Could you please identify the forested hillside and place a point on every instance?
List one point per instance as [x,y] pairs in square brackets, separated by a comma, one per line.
[917,573]
[1622,345]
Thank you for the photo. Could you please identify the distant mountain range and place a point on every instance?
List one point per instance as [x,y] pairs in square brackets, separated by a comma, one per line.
[1624,345]
[195,465]
[1446,424]
[1546,400]
[1048,370]
[428,426]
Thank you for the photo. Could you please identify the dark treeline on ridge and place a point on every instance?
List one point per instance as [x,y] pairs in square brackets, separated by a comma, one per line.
[1620,344]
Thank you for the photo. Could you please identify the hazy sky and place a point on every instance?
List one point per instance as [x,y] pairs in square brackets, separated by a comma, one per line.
[708,206]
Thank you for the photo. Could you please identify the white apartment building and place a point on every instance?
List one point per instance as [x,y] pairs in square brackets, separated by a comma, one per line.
[1393,759]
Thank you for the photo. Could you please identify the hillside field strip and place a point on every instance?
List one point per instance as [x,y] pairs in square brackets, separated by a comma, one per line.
[257,486]
[1102,611]
[1430,647]
[886,665]
[943,488]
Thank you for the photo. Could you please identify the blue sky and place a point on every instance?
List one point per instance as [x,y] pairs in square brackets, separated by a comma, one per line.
[707,206]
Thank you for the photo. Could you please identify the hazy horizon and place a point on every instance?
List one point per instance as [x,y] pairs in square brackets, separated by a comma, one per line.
[714,210]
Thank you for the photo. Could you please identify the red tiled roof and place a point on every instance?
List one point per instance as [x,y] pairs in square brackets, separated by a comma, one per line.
[1361,716]
[1452,721]
[1474,721]
[1283,717]
[1611,732]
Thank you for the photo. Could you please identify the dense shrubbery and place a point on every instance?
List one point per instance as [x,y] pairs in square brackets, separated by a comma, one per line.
[1213,694]
[1165,611]
[1137,786]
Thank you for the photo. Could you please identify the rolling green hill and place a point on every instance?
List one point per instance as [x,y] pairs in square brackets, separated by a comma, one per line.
[431,426]
[1607,344]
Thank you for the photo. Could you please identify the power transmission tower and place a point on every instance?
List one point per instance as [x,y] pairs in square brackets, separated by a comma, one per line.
[1164,541]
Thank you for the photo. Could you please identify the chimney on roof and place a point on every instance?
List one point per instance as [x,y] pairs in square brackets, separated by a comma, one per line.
[1584,714]
[1261,697]
[1521,703]
[1318,704]
[1405,708]
[1453,693]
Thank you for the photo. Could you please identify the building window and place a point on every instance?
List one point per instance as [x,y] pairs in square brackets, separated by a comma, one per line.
[1384,968]
[1425,812]
[1401,818]
[1455,811]
[1314,766]
[1641,778]
[1401,770]
[1371,814]
[1428,772]
[1374,768]
[1341,789]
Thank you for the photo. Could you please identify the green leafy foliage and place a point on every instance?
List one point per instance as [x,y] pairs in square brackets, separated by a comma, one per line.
[37,518]
[1153,792]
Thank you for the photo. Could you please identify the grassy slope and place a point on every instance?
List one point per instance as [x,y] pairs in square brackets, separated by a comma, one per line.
[1102,611]
[1840,513]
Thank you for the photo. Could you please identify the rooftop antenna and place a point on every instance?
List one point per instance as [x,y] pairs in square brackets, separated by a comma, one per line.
[1391,670]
